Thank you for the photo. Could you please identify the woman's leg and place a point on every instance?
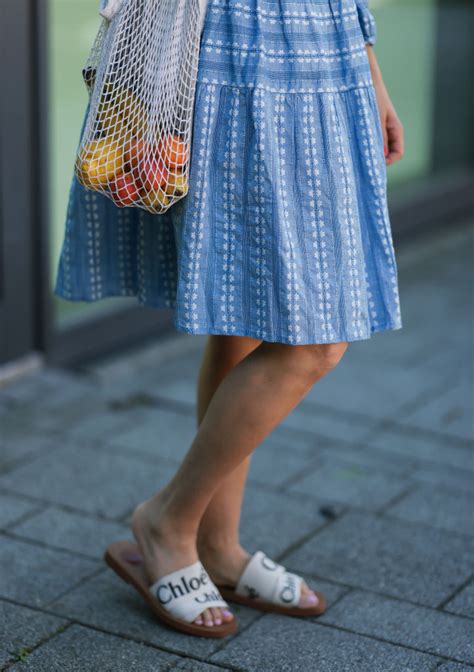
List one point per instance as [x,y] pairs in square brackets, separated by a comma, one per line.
[244,409]
[218,535]
[218,542]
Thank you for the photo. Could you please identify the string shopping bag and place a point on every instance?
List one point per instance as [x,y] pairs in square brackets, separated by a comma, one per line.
[141,76]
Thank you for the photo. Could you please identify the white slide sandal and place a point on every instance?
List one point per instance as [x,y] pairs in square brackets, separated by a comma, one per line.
[176,598]
[264,584]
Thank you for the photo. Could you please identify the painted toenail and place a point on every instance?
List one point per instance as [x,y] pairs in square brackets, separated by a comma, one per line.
[199,621]
[226,613]
[311,599]
[218,621]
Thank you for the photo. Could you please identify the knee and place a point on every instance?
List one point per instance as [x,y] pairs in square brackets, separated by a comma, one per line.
[319,359]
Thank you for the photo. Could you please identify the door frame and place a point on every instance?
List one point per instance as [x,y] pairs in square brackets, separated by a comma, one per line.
[18,176]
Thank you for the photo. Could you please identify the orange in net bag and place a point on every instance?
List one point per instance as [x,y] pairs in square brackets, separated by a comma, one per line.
[141,76]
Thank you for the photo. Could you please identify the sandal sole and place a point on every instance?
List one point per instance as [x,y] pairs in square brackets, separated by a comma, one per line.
[230,595]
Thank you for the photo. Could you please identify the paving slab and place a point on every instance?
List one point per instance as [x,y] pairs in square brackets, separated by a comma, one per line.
[23,628]
[13,508]
[103,421]
[367,456]
[71,531]
[325,448]
[452,477]
[278,644]
[342,480]
[438,506]
[463,602]
[34,575]
[157,358]
[189,665]
[369,387]
[82,477]
[273,522]
[108,602]
[272,464]
[22,441]
[161,433]
[398,622]
[48,386]
[413,562]
[450,412]
[330,423]
[437,450]
[80,649]
[181,390]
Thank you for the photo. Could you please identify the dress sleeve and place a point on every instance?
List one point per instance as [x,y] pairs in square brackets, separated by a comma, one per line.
[367,21]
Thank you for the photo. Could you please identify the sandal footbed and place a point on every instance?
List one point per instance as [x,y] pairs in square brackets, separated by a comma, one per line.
[134,573]
[229,594]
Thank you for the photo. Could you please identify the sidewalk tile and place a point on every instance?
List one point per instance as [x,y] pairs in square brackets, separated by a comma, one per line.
[79,649]
[438,450]
[456,478]
[367,456]
[159,433]
[330,423]
[85,478]
[49,385]
[272,522]
[401,623]
[272,464]
[369,387]
[107,601]
[22,628]
[71,531]
[403,560]
[280,644]
[450,412]
[13,508]
[344,481]
[463,602]
[20,442]
[34,575]
[189,665]
[437,506]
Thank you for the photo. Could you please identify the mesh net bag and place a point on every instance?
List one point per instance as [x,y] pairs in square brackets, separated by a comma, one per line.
[141,76]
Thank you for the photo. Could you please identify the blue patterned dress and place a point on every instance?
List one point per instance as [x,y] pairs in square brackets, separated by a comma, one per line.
[284,234]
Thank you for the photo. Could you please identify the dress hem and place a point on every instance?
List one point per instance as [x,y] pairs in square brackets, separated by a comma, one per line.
[391,325]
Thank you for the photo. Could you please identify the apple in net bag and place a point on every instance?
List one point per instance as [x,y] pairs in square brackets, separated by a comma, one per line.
[141,76]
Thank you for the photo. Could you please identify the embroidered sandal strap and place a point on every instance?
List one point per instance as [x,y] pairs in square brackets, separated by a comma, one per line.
[186,592]
[266,580]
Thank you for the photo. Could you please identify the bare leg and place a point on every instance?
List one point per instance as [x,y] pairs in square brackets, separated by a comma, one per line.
[218,536]
[244,409]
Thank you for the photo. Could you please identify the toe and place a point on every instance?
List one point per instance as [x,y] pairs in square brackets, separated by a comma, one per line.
[227,615]
[308,596]
[216,615]
[207,617]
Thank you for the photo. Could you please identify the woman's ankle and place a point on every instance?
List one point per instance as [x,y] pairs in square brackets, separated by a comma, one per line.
[155,518]
[218,545]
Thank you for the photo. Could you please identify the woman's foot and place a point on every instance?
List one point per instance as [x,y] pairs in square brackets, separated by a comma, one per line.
[225,563]
[164,550]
